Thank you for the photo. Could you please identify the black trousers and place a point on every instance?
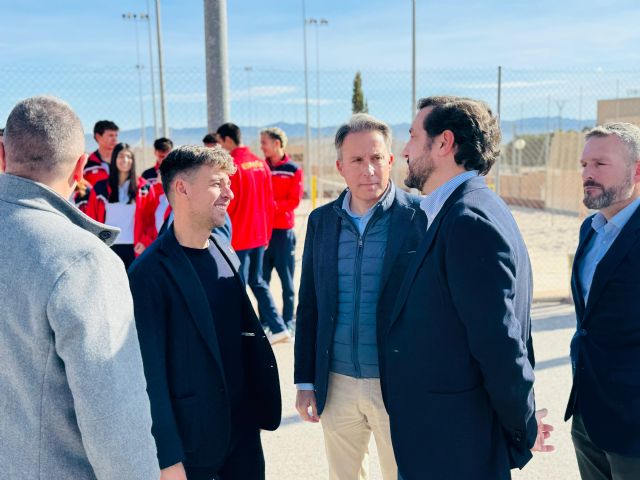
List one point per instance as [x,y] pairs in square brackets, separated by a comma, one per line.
[125,252]
[597,464]
[245,460]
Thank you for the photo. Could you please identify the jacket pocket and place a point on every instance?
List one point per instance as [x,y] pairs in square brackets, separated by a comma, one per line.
[185,411]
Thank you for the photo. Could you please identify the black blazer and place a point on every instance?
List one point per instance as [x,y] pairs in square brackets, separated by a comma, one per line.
[605,350]
[318,295]
[458,377]
[182,361]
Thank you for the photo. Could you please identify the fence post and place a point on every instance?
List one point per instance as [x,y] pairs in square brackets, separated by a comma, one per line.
[314,191]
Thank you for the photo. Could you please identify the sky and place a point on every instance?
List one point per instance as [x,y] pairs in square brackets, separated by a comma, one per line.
[84,50]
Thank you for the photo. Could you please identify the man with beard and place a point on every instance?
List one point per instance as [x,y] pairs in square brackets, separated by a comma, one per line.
[605,350]
[458,340]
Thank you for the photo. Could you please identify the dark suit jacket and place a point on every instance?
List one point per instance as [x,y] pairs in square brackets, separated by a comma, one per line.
[182,360]
[318,296]
[458,377]
[605,350]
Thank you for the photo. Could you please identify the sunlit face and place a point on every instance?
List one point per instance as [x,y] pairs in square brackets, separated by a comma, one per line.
[417,151]
[161,155]
[124,161]
[608,175]
[108,140]
[208,196]
[365,165]
[269,146]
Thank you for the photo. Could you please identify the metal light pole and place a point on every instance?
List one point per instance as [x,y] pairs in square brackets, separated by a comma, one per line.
[318,24]
[151,73]
[306,164]
[134,17]
[414,98]
[163,101]
[249,69]
[215,38]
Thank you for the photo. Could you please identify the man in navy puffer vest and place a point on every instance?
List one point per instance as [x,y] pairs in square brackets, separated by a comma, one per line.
[356,251]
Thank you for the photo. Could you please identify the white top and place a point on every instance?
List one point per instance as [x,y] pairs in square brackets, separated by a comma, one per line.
[122,215]
[163,204]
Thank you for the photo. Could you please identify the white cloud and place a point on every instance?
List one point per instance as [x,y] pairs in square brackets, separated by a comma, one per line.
[262,91]
[312,101]
[516,84]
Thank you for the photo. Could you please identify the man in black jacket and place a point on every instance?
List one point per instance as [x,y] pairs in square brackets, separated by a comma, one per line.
[211,374]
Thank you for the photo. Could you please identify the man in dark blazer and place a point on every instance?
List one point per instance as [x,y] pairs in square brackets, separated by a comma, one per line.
[211,374]
[605,350]
[356,251]
[458,373]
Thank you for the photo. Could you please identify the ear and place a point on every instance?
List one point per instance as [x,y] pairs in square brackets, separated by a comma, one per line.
[636,177]
[180,187]
[339,166]
[78,169]
[3,162]
[448,142]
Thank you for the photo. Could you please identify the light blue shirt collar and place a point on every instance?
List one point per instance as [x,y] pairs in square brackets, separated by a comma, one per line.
[618,221]
[432,204]
[361,220]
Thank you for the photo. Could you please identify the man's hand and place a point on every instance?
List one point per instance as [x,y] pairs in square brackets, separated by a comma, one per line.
[306,399]
[174,472]
[544,432]
[139,248]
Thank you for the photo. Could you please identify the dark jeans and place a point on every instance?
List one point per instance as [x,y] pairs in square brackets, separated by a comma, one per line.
[251,271]
[596,464]
[245,460]
[281,256]
[126,253]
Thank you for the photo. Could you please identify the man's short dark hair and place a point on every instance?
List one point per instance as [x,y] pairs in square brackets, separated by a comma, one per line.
[184,160]
[163,144]
[210,138]
[475,129]
[230,130]
[102,126]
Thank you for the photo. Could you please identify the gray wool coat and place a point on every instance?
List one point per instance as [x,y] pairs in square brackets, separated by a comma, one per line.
[73,401]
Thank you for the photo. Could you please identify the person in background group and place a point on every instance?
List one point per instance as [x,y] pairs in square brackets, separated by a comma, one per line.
[286,178]
[161,148]
[251,213]
[72,392]
[130,206]
[105,133]
[212,376]
[605,350]
[355,254]
[210,140]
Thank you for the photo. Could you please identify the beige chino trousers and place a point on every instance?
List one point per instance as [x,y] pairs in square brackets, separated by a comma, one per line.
[354,409]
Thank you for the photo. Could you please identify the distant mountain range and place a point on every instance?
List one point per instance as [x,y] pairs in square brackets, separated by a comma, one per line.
[193,136]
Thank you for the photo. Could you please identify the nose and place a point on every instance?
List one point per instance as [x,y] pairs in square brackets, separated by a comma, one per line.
[227,192]
[370,170]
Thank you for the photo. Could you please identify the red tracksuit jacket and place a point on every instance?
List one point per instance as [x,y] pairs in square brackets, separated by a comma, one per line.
[286,178]
[252,207]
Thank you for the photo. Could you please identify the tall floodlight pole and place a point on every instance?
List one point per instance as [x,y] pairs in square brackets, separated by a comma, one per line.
[306,163]
[215,41]
[249,69]
[163,100]
[498,107]
[414,98]
[318,24]
[151,73]
[135,18]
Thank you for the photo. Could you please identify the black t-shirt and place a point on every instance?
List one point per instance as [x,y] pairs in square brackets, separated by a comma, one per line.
[225,296]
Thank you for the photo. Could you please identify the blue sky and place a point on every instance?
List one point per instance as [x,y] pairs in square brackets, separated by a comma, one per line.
[85,52]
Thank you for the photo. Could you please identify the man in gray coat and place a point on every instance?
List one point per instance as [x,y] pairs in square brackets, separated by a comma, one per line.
[72,391]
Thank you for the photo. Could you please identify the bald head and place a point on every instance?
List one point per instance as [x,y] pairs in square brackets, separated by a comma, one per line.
[43,139]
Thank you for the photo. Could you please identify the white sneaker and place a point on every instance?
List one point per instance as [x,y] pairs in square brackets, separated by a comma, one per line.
[280,337]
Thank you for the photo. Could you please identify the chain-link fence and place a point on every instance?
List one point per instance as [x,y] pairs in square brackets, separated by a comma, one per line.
[542,114]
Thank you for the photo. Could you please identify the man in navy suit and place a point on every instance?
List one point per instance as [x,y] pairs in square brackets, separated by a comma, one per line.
[211,374]
[605,350]
[458,376]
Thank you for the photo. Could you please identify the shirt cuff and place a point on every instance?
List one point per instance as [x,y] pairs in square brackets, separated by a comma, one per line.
[305,386]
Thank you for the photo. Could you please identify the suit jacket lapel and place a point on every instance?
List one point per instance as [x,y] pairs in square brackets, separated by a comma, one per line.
[618,250]
[576,287]
[186,280]
[401,218]
[329,257]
